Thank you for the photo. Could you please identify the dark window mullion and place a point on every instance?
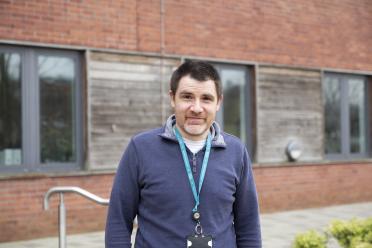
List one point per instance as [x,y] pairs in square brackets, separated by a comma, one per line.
[36,110]
[367,119]
[367,111]
[219,116]
[248,112]
[31,111]
[25,95]
[345,118]
[27,123]
[78,102]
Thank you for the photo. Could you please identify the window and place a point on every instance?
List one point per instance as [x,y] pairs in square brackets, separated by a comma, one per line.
[40,109]
[235,112]
[346,101]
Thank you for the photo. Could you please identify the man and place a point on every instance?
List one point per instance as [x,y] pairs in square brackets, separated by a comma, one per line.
[189,183]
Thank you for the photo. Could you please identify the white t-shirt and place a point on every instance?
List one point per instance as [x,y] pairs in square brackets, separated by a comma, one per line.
[193,145]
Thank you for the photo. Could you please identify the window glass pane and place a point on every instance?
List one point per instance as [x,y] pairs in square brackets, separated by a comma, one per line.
[10,109]
[332,109]
[57,117]
[357,115]
[233,82]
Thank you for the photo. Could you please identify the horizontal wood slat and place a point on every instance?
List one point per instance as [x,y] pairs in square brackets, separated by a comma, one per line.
[289,107]
[125,96]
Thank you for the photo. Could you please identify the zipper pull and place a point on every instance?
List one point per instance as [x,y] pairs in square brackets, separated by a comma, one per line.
[193,163]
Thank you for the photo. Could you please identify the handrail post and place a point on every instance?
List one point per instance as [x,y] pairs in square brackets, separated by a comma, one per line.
[62,222]
[62,209]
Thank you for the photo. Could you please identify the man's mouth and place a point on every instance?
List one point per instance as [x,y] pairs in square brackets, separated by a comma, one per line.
[194,120]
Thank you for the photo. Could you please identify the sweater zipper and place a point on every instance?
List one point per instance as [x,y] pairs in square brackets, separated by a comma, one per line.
[194,163]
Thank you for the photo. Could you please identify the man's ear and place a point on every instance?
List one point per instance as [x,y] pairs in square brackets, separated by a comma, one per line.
[172,98]
[219,102]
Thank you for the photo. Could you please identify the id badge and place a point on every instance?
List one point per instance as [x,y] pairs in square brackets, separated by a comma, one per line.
[199,241]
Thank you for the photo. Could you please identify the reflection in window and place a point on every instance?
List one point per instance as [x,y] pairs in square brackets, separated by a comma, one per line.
[57,117]
[233,83]
[331,90]
[345,115]
[357,115]
[10,109]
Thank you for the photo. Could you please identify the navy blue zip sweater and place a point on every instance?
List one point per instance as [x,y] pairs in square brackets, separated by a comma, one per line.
[151,182]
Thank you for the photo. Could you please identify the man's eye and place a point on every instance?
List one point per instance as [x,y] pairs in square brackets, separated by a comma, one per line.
[186,97]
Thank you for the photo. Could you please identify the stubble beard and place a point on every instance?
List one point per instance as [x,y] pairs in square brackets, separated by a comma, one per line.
[195,130]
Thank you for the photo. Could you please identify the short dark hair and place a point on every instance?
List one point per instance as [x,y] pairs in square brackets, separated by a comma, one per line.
[199,70]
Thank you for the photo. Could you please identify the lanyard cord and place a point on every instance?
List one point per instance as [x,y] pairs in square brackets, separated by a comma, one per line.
[188,168]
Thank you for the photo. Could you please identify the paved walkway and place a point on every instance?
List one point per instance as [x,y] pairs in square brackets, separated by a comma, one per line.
[278,229]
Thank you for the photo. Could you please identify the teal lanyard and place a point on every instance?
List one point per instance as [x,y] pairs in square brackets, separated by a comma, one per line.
[188,168]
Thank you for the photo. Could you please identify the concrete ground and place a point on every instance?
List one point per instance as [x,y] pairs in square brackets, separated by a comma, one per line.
[278,229]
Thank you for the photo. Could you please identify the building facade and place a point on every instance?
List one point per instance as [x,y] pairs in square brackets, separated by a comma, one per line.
[79,78]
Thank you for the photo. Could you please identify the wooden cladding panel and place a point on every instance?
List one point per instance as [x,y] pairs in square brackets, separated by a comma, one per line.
[125,97]
[289,107]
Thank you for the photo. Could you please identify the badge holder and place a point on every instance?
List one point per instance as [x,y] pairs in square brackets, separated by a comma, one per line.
[198,240]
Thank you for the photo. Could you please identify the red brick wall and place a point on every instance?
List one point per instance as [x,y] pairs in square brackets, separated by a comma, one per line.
[297,187]
[279,188]
[21,206]
[333,34]
[312,33]
[105,24]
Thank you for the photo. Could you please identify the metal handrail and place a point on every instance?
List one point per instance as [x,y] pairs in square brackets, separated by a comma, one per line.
[70,189]
[62,210]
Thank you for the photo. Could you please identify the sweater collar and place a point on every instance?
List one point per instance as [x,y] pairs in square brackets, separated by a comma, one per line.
[217,138]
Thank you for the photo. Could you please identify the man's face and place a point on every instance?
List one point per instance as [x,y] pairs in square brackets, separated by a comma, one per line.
[195,105]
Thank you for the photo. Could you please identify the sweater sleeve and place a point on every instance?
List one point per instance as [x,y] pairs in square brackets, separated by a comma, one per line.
[123,201]
[246,210]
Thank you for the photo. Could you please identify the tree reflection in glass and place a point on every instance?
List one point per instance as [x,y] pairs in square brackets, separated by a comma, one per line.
[332,108]
[10,109]
[57,117]
[357,116]
[234,102]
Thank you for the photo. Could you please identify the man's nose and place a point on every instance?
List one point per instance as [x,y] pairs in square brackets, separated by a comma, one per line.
[196,107]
